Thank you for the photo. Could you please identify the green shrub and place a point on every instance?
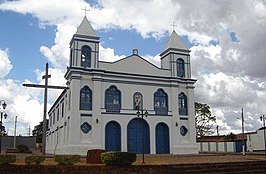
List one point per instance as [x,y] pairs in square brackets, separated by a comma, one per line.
[34,159]
[66,159]
[23,149]
[7,159]
[118,158]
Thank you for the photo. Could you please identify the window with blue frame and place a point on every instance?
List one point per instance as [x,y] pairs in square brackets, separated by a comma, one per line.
[160,102]
[137,101]
[85,56]
[85,102]
[112,99]
[180,67]
[182,104]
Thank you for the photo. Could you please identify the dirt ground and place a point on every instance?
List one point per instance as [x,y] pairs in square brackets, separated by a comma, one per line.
[165,159]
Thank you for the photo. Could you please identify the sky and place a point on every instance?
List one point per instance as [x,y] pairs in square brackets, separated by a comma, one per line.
[226,39]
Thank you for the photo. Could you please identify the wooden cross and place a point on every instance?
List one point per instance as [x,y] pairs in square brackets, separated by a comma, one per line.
[174,25]
[85,10]
[45,87]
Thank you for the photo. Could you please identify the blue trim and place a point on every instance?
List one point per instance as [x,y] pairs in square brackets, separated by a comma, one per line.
[85,127]
[113,99]
[85,100]
[180,68]
[85,59]
[135,134]
[182,104]
[183,130]
[162,138]
[160,102]
[113,136]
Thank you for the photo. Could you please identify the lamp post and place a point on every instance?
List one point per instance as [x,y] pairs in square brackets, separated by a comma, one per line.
[4,105]
[262,118]
[142,113]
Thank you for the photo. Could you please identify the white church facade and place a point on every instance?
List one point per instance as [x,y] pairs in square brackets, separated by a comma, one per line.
[99,108]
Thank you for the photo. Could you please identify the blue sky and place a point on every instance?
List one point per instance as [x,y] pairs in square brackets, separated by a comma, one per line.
[227,59]
[23,37]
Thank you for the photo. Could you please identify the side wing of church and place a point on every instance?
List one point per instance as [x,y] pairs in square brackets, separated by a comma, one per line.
[99,108]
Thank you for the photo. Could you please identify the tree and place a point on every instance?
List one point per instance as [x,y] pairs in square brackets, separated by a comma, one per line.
[37,131]
[3,130]
[230,137]
[204,119]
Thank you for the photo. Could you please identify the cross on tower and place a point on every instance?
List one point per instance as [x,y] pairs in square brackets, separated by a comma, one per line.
[85,10]
[45,87]
[174,25]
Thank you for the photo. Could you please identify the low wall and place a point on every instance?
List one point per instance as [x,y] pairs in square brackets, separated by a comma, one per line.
[216,146]
[247,167]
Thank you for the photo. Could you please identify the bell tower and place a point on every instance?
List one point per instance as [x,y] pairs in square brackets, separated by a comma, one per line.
[175,56]
[84,47]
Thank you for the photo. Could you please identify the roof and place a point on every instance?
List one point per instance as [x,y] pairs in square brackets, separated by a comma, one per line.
[222,138]
[175,42]
[85,28]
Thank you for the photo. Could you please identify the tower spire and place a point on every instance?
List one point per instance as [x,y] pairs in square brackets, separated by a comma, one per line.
[85,10]
[174,25]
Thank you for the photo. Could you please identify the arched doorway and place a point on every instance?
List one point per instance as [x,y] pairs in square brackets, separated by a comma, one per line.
[112,136]
[162,138]
[134,136]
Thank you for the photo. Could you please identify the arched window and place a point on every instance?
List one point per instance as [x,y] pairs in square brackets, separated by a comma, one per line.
[85,56]
[112,99]
[160,102]
[137,101]
[85,102]
[71,58]
[180,68]
[182,104]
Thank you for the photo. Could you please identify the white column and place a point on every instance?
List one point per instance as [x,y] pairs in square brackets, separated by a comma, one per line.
[191,115]
[74,127]
[98,129]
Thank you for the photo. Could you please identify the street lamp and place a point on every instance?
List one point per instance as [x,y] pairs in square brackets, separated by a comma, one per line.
[142,113]
[4,105]
[262,118]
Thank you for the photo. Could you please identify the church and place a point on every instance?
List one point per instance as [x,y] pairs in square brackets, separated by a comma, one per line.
[128,105]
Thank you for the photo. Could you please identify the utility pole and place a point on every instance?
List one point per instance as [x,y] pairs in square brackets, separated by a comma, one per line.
[217,129]
[45,87]
[243,133]
[15,132]
[29,130]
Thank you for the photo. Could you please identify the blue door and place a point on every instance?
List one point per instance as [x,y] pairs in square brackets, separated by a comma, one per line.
[112,136]
[162,138]
[239,146]
[134,136]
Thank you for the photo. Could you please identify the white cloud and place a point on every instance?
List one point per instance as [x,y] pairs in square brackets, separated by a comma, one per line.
[5,63]
[22,102]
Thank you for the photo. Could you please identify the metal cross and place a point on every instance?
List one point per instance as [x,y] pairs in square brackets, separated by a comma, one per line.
[85,10]
[45,87]
[174,25]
